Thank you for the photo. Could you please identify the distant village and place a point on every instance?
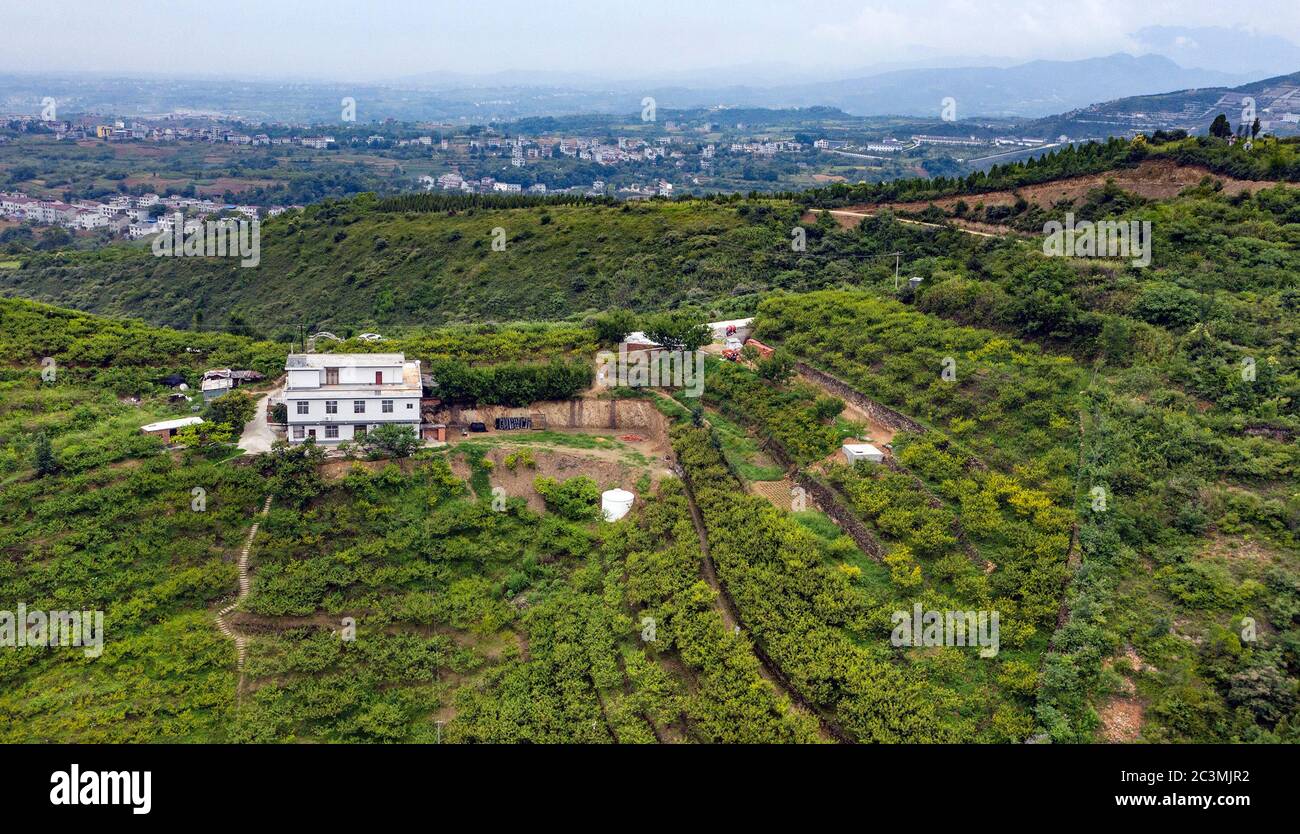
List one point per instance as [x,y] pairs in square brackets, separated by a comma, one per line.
[124,215]
[524,150]
[121,131]
[683,160]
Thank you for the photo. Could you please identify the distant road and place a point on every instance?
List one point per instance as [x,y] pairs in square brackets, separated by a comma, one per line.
[1034,149]
[844,213]
[860,155]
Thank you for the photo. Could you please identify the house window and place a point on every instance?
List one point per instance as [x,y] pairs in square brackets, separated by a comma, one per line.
[358,431]
[331,406]
[379,377]
[410,406]
[331,432]
[358,406]
[299,433]
[302,406]
[386,406]
[331,376]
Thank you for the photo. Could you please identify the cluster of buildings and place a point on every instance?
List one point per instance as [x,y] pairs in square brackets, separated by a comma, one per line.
[490,185]
[523,149]
[891,145]
[485,185]
[761,148]
[120,131]
[125,215]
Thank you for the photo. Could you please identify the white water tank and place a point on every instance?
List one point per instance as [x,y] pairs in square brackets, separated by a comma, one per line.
[616,503]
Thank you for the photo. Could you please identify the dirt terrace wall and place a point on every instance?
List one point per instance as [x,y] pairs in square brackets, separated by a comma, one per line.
[826,498]
[567,414]
[880,413]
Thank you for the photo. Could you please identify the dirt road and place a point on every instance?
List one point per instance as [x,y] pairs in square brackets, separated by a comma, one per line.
[258,434]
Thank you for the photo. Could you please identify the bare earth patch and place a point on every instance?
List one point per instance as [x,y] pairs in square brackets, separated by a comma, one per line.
[1153,179]
[1238,549]
[1121,720]
[607,467]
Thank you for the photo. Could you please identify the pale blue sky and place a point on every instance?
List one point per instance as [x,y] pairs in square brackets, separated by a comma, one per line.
[359,40]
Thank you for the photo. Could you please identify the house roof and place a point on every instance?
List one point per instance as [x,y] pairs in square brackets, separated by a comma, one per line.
[179,422]
[300,361]
[638,337]
[862,449]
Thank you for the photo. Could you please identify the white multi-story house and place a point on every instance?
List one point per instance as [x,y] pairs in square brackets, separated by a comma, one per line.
[341,396]
[90,220]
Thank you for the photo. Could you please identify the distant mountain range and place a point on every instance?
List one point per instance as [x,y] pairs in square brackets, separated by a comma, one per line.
[1029,90]
[1276,101]
[1034,89]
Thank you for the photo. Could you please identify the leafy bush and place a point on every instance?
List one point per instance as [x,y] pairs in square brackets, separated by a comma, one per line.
[391,440]
[575,499]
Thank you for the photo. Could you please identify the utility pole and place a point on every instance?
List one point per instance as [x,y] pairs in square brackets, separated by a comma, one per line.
[897,257]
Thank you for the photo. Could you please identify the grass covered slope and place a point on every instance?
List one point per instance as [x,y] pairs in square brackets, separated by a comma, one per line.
[113,529]
[351,264]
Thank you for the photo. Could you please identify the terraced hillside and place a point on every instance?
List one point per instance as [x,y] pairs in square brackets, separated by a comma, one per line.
[1102,452]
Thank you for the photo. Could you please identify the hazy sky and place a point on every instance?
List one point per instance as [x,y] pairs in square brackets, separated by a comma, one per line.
[376,39]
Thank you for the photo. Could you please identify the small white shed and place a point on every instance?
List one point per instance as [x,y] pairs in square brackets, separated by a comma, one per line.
[616,503]
[166,429]
[854,452]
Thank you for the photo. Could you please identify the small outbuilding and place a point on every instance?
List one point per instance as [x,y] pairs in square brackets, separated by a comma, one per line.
[854,452]
[638,340]
[166,429]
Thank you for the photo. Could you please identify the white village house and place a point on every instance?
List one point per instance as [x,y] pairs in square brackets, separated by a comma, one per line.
[340,396]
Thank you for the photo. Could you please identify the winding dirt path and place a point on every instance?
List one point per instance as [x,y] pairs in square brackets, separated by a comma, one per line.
[223,616]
